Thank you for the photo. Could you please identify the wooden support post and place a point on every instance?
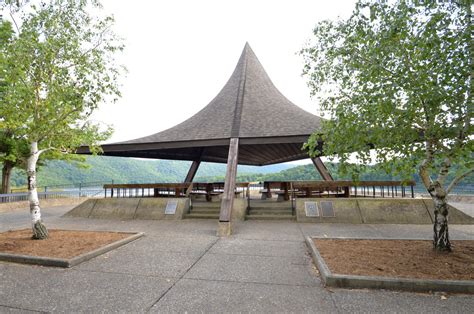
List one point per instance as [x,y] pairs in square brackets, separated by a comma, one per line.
[192,171]
[229,188]
[323,171]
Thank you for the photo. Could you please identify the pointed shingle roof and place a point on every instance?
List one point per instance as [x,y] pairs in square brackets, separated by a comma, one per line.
[249,107]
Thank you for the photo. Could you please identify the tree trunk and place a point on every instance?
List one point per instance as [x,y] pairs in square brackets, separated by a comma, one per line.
[438,193]
[440,226]
[6,175]
[39,230]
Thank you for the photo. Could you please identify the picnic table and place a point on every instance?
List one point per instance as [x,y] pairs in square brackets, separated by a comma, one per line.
[282,186]
[301,189]
[211,189]
[318,188]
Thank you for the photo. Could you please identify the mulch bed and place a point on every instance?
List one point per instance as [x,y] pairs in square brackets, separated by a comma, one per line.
[397,258]
[63,244]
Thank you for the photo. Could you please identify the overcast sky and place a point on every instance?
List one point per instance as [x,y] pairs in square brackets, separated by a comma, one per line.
[179,54]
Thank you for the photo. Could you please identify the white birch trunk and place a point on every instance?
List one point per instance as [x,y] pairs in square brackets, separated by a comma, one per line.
[39,230]
[440,227]
[438,194]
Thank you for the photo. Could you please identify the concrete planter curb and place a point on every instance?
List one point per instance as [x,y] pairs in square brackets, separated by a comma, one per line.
[58,262]
[389,283]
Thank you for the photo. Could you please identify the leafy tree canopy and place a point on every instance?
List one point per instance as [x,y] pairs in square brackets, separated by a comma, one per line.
[57,68]
[396,76]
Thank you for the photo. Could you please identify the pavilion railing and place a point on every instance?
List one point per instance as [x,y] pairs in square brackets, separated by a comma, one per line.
[171,189]
[295,188]
[23,196]
[353,189]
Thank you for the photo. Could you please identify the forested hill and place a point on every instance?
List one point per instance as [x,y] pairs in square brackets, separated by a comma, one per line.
[128,170]
[309,172]
[303,172]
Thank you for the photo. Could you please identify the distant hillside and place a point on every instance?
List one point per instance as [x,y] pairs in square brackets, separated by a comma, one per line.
[128,170]
[309,172]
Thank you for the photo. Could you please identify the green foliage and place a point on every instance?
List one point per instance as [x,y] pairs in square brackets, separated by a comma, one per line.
[126,170]
[56,69]
[129,170]
[12,150]
[397,77]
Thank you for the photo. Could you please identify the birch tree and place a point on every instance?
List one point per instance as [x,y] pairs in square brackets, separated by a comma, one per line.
[396,82]
[58,68]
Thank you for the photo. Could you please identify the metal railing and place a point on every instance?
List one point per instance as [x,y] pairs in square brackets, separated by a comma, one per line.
[360,189]
[23,196]
[81,189]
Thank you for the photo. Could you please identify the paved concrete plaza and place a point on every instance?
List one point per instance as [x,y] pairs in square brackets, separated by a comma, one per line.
[181,266]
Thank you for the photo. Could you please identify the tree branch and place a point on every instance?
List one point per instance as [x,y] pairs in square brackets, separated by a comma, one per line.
[53,125]
[45,150]
[14,21]
[458,179]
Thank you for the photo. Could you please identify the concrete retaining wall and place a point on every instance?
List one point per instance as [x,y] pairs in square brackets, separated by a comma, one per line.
[353,210]
[455,216]
[379,211]
[82,210]
[346,211]
[129,208]
[398,211]
[44,203]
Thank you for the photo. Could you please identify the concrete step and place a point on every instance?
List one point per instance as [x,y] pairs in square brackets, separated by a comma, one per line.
[270,217]
[279,208]
[201,216]
[270,212]
[204,204]
[269,204]
[205,210]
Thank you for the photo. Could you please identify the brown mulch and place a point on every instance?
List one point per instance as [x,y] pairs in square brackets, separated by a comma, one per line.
[397,258]
[59,244]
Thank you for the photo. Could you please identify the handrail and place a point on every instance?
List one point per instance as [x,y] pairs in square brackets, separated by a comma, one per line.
[337,184]
[146,185]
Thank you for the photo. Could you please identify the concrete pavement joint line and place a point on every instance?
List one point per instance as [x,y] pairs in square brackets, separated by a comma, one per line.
[120,273]
[269,240]
[135,212]
[359,211]
[391,283]
[257,255]
[21,308]
[182,275]
[252,282]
